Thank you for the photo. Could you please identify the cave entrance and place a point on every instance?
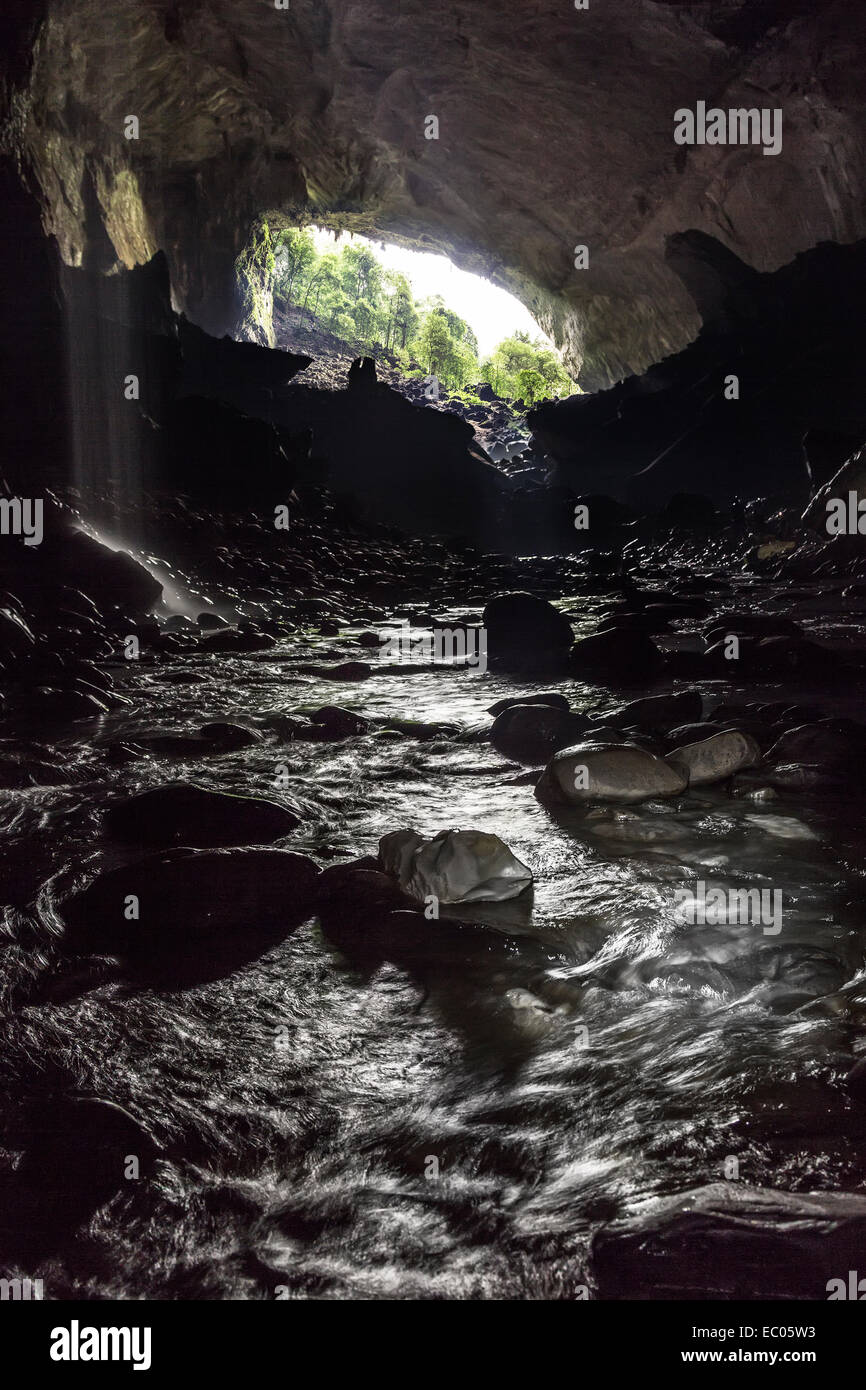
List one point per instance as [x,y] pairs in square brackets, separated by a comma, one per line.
[338,296]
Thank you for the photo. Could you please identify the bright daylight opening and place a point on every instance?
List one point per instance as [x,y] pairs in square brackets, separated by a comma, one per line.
[417,313]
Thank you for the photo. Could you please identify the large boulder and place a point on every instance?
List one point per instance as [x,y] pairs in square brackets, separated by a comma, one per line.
[835,743]
[531,733]
[732,1241]
[111,578]
[526,631]
[184,814]
[456,866]
[659,713]
[185,896]
[618,772]
[715,758]
[622,655]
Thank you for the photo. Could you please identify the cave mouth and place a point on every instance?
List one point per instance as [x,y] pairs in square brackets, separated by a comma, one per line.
[338,295]
[491,311]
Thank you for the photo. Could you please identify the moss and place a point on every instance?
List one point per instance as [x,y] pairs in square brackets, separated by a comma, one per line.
[255,277]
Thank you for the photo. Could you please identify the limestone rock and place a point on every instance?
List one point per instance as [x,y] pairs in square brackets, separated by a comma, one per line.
[457,866]
[715,758]
[619,772]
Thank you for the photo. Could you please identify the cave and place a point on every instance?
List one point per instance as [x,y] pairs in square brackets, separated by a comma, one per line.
[430,775]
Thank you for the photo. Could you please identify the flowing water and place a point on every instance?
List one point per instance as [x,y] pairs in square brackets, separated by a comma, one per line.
[459,1130]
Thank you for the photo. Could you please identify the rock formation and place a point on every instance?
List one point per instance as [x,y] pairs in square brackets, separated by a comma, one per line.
[194,129]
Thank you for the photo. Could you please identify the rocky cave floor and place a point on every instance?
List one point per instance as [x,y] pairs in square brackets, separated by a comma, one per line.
[325,1093]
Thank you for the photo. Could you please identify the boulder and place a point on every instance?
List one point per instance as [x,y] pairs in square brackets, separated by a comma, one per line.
[622,655]
[531,733]
[346,671]
[335,722]
[88,1139]
[548,698]
[110,578]
[184,814]
[185,896]
[359,892]
[660,712]
[729,1240]
[235,640]
[619,772]
[715,758]
[456,866]
[51,702]
[223,737]
[525,631]
[834,743]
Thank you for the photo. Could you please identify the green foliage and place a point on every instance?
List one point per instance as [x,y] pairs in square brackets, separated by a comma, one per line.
[527,371]
[256,267]
[351,295]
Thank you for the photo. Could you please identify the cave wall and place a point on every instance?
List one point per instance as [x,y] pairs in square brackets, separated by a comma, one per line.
[555,129]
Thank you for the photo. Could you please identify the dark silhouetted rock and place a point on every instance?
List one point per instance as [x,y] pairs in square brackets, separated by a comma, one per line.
[732,1241]
[620,655]
[184,814]
[186,896]
[531,733]
[524,631]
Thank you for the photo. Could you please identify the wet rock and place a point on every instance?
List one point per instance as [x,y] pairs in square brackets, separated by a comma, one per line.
[623,656]
[346,671]
[828,743]
[110,578]
[88,1139]
[748,624]
[620,772]
[16,639]
[693,733]
[456,866]
[732,1241]
[235,640]
[524,630]
[185,897]
[425,731]
[715,758]
[851,477]
[360,891]
[333,722]
[549,698]
[209,622]
[49,702]
[171,745]
[531,733]
[226,737]
[184,814]
[660,712]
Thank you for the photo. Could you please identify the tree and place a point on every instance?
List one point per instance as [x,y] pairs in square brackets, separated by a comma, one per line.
[531,386]
[515,356]
[296,253]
